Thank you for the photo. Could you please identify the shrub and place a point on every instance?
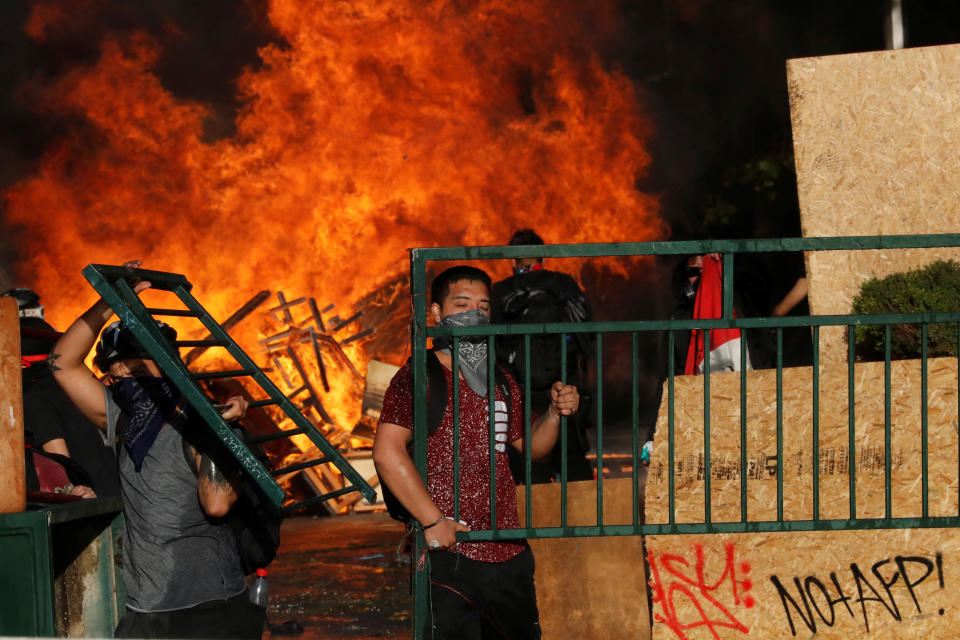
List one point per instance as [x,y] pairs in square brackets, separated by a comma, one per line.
[935,287]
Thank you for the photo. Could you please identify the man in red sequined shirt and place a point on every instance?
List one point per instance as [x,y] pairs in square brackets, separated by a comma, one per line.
[478,589]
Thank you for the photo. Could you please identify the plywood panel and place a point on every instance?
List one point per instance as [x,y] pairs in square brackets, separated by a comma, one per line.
[12,478]
[836,585]
[753,559]
[875,141]
[589,587]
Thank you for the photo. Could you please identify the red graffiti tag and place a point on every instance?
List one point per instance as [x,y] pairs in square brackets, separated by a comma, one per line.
[714,602]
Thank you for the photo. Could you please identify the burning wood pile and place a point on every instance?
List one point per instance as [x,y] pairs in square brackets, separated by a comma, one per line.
[311,354]
[306,356]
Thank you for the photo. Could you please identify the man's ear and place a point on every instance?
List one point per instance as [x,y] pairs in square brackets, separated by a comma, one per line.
[435,310]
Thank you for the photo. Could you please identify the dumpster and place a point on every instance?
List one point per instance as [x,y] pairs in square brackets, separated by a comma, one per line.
[60,569]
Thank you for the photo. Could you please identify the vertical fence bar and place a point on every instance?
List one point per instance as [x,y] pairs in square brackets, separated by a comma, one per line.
[852,419]
[923,420]
[727,285]
[420,565]
[887,480]
[492,423]
[707,502]
[563,436]
[779,424]
[635,426]
[816,423]
[455,380]
[743,426]
[671,489]
[599,338]
[527,461]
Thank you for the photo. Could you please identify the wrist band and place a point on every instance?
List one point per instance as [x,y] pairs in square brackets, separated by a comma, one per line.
[433,524]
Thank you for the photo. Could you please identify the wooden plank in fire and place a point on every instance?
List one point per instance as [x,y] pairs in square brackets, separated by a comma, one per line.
[309,387]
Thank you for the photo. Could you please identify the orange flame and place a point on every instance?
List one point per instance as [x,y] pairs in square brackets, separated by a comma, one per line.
[385,124]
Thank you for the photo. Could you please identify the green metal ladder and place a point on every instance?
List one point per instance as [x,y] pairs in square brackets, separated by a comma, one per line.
[113,285]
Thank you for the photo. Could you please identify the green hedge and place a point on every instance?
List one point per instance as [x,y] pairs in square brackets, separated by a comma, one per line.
[935,287]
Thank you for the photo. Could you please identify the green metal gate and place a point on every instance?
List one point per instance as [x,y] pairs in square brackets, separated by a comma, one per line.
[419,260]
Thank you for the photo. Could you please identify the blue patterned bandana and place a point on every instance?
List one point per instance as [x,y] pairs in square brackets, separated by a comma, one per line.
[148,403]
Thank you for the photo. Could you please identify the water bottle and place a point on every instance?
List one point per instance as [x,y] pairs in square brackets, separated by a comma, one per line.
[259,589]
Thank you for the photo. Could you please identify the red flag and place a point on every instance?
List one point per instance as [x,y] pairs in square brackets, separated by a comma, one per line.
[724,343]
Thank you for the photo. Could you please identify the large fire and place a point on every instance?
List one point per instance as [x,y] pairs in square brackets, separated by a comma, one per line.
[384,125]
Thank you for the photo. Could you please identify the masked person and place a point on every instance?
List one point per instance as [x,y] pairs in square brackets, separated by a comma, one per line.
[535,295]
[477,589]
[181,564]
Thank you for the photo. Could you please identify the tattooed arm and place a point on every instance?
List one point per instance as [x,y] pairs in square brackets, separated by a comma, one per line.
[66,360]
[217,490]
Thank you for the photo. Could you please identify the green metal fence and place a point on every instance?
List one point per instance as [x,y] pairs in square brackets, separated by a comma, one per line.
[729,249]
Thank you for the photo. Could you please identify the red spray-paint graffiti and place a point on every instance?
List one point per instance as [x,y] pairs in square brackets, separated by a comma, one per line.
[716,603]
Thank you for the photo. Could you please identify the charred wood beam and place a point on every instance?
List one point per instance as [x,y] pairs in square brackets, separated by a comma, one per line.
[319,356]
[306,381]
[317,316]
[286,312]
[357,336]
[344,323]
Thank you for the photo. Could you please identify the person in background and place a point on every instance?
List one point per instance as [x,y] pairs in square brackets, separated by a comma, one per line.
[697,286]
[477,589]
[181,564]
[534,294]
[52,424]
[796,294]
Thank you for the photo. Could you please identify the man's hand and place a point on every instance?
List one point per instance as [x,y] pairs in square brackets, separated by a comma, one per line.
[443,535]
[564,399]
[83,491]
[138,285]
[235,408]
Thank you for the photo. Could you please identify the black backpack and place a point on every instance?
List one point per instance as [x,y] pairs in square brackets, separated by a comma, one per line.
[436,408]
[541,305]
[255,523]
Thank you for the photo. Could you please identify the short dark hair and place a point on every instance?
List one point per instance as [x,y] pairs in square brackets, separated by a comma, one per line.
[440,288]
[524,237]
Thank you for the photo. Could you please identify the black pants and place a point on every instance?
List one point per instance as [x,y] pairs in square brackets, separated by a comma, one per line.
[473,600]
[233,618]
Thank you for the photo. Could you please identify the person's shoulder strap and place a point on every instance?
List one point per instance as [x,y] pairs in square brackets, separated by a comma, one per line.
[502,380]
[436,392]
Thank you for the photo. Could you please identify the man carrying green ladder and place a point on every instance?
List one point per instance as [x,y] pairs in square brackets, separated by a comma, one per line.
[182,567]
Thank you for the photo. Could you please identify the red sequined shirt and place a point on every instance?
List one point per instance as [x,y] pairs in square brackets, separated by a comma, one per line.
[474,459]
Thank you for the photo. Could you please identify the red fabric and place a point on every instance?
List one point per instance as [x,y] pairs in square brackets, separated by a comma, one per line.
[50,473]
[28,361]
[708,305]
[474,461]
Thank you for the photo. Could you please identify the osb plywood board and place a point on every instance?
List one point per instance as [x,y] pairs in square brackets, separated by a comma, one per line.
[875,139]
[852,584]
[814,558]
[12,487]
[588,587]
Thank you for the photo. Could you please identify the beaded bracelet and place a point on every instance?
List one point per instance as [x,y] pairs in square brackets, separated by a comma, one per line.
[433,524]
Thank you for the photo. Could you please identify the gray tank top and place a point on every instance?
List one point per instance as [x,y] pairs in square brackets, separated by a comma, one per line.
[175,557]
